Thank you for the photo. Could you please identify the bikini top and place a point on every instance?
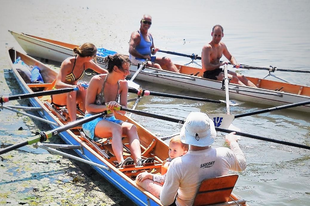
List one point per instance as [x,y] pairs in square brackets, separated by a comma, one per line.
[100,97]
[71,77]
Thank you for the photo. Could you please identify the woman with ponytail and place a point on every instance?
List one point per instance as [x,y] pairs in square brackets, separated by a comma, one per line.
[108,92]
[71,71]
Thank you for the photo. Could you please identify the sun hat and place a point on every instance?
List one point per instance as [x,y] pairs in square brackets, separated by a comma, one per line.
[198,130]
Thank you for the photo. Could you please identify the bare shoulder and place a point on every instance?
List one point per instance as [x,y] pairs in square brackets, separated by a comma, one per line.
[135,34]
[222,45]
[123,83]
[67,64]
[207,47]
[98,77]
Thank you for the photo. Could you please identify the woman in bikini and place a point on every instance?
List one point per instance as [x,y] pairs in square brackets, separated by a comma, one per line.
[71,71]
[108,92]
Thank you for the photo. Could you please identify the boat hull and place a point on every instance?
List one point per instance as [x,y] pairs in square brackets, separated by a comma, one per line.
[236,92]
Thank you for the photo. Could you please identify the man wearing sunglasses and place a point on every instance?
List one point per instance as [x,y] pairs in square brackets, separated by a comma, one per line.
[141,47]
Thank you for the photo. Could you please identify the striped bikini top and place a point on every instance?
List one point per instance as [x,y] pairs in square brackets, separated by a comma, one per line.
[100,97]
[71,77]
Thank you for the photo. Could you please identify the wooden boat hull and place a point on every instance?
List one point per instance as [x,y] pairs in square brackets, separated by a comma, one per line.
[123,179]
[271,93]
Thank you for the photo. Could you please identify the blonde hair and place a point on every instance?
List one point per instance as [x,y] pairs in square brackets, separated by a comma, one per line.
[177,140]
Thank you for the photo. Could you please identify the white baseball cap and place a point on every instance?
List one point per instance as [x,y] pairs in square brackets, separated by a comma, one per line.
[198,130]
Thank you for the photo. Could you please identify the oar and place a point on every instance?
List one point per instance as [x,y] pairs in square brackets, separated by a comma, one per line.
[140,67]
[171,119]
[45,135]
[271,69]
[220,120]
[193,56]
[141,92]
[30,115]
[226,80]
[273,108]
[265,138]
[35,94]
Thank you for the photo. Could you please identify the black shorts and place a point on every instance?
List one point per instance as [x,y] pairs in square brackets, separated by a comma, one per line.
[212,74]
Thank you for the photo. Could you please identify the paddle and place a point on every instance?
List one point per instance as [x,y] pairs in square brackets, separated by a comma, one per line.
[171,119]
[270,69]
[226,80]
[193,56]
[43,136]
[220,120]
[36,94]
[273,108]
[141,92]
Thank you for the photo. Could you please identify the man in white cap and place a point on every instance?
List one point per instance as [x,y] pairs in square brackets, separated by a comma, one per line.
[201,161]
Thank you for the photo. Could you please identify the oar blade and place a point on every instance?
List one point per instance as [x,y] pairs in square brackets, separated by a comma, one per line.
[222,120]
[231,102]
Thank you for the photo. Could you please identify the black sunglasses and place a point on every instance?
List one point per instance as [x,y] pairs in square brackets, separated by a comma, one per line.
[146,22]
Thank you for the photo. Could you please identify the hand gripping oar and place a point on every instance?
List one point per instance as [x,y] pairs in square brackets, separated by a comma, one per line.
[4,99]
[193,56]
[43,136]
[271,69]
[273,108]
[218,129]
[141,92]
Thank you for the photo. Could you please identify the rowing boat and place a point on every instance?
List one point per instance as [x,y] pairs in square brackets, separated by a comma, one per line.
[269,92]
[100,153]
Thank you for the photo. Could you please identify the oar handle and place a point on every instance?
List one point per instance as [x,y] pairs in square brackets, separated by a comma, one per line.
[193,56]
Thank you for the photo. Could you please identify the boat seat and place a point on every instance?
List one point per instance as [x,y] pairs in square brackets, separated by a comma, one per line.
[215,190]
[41,86]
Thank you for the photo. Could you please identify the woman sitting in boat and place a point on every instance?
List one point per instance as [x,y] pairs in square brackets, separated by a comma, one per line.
[109,92]
[153,182]
[71,71]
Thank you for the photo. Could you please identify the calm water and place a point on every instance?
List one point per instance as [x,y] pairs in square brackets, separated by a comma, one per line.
[258,33]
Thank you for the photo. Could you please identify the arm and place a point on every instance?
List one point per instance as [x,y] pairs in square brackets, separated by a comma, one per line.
[92,65]
[170,187]
[123,94]
[143,176]
[133,43]
[206,59]
[240,161]
[227,54]
[153,48]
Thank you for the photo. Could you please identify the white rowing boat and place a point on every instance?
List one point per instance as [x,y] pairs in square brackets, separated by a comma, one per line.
[269,92]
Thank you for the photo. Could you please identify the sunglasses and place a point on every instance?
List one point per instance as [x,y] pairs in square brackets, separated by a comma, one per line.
[146,22]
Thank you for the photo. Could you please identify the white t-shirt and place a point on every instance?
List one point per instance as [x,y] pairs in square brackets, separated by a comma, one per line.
[186,173]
